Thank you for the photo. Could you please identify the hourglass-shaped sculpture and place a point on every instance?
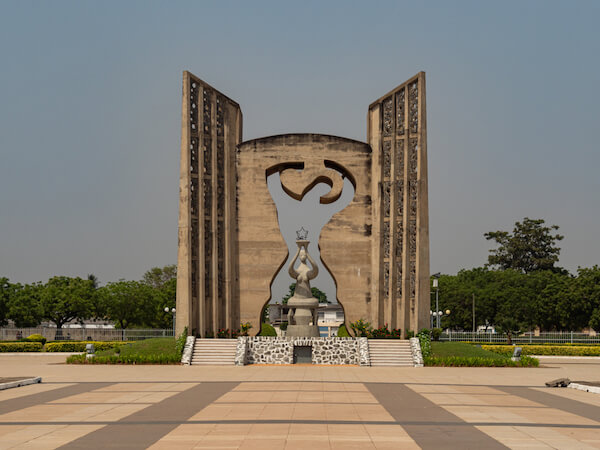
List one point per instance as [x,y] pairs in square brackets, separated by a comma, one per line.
[302,315]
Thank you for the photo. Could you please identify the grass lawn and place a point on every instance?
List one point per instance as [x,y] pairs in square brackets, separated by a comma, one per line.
[154,346]
[148,351]
[459,354]
[442,349]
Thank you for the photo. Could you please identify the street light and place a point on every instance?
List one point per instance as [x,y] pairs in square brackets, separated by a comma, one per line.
[438,316]
[437,295]
[172,311]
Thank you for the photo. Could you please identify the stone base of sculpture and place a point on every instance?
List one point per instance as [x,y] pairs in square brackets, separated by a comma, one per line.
[304,312]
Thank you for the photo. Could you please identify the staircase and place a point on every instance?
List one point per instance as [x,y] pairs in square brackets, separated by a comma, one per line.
[215,352]
[390,352]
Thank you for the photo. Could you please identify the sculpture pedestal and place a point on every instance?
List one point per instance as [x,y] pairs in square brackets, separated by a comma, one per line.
[302,331]
[304,313]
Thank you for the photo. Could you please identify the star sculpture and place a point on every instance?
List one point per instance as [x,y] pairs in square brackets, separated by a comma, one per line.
[302,234]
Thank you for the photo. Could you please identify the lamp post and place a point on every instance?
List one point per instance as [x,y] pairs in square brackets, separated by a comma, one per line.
[437,295]
[437,315]
[172,311]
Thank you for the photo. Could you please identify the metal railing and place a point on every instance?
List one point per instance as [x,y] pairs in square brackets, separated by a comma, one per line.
[83,334]
[558,337]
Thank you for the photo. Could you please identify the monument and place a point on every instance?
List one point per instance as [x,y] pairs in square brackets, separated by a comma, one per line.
[230,245]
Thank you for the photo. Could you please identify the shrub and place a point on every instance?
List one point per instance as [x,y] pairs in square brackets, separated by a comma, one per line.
[342,331]
[74,346]
[476,361]
[425,340]
[361,328]
[436,333]
[384,333]
[267,330]
[9,347]
[36,338]
[410,334]
[245,328]
[180,343]
[283,326]
[547,350]
[223,333]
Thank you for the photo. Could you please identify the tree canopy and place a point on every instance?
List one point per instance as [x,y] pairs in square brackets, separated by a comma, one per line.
[125,302]
[65,299]
[157,277]
[530,247]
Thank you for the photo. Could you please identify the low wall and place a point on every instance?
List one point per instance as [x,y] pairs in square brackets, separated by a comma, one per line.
[280,350]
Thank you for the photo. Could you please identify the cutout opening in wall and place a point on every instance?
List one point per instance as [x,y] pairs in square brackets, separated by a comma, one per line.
[307,209]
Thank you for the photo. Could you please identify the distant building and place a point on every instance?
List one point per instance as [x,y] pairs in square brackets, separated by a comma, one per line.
[330,317]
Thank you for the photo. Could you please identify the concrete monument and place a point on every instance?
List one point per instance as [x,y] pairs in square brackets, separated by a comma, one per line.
[230,246]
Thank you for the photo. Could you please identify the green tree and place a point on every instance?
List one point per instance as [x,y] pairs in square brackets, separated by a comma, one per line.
[6,293]
[509,326]
[498,294]
[316,292]
[25,307]
[126,302]
[98,310]
[530,247]
[163,282]
[94,280]
[587,294]
[157,277]
[64,299]
[595,320]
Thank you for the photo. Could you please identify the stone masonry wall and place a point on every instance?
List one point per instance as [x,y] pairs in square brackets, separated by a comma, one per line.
[280,350]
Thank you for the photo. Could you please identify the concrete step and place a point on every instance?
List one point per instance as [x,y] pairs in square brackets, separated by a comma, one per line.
[393,353]
[386,352]
[220,358]
[389,344]
[392,365]
[211,361]
[214,352]
[208,345]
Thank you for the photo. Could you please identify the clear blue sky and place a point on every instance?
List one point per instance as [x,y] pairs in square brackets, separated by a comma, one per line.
[90,98]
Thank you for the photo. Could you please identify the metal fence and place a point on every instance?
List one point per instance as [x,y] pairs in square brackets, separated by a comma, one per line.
[564,337]
[83,334]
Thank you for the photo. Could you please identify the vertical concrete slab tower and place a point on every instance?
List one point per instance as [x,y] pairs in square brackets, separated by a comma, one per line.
[230,247]
[397,133]
[206,271]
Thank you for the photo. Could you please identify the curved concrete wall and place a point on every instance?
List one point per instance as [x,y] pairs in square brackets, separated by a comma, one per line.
[345,242]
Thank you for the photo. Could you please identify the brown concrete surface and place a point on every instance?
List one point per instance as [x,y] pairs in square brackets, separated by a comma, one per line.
[228,221]
[345,241]
[296,407]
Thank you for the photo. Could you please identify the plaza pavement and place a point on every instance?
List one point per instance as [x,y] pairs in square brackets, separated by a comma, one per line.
[296,407]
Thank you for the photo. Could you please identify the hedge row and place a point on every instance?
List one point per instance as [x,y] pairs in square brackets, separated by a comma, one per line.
[342,331]
[476,361]
[549,350]
[127,359]
[546,344]
[74,346]
[6,347]
[267,330]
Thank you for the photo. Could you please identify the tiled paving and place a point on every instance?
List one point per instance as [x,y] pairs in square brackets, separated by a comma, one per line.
[303,407]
